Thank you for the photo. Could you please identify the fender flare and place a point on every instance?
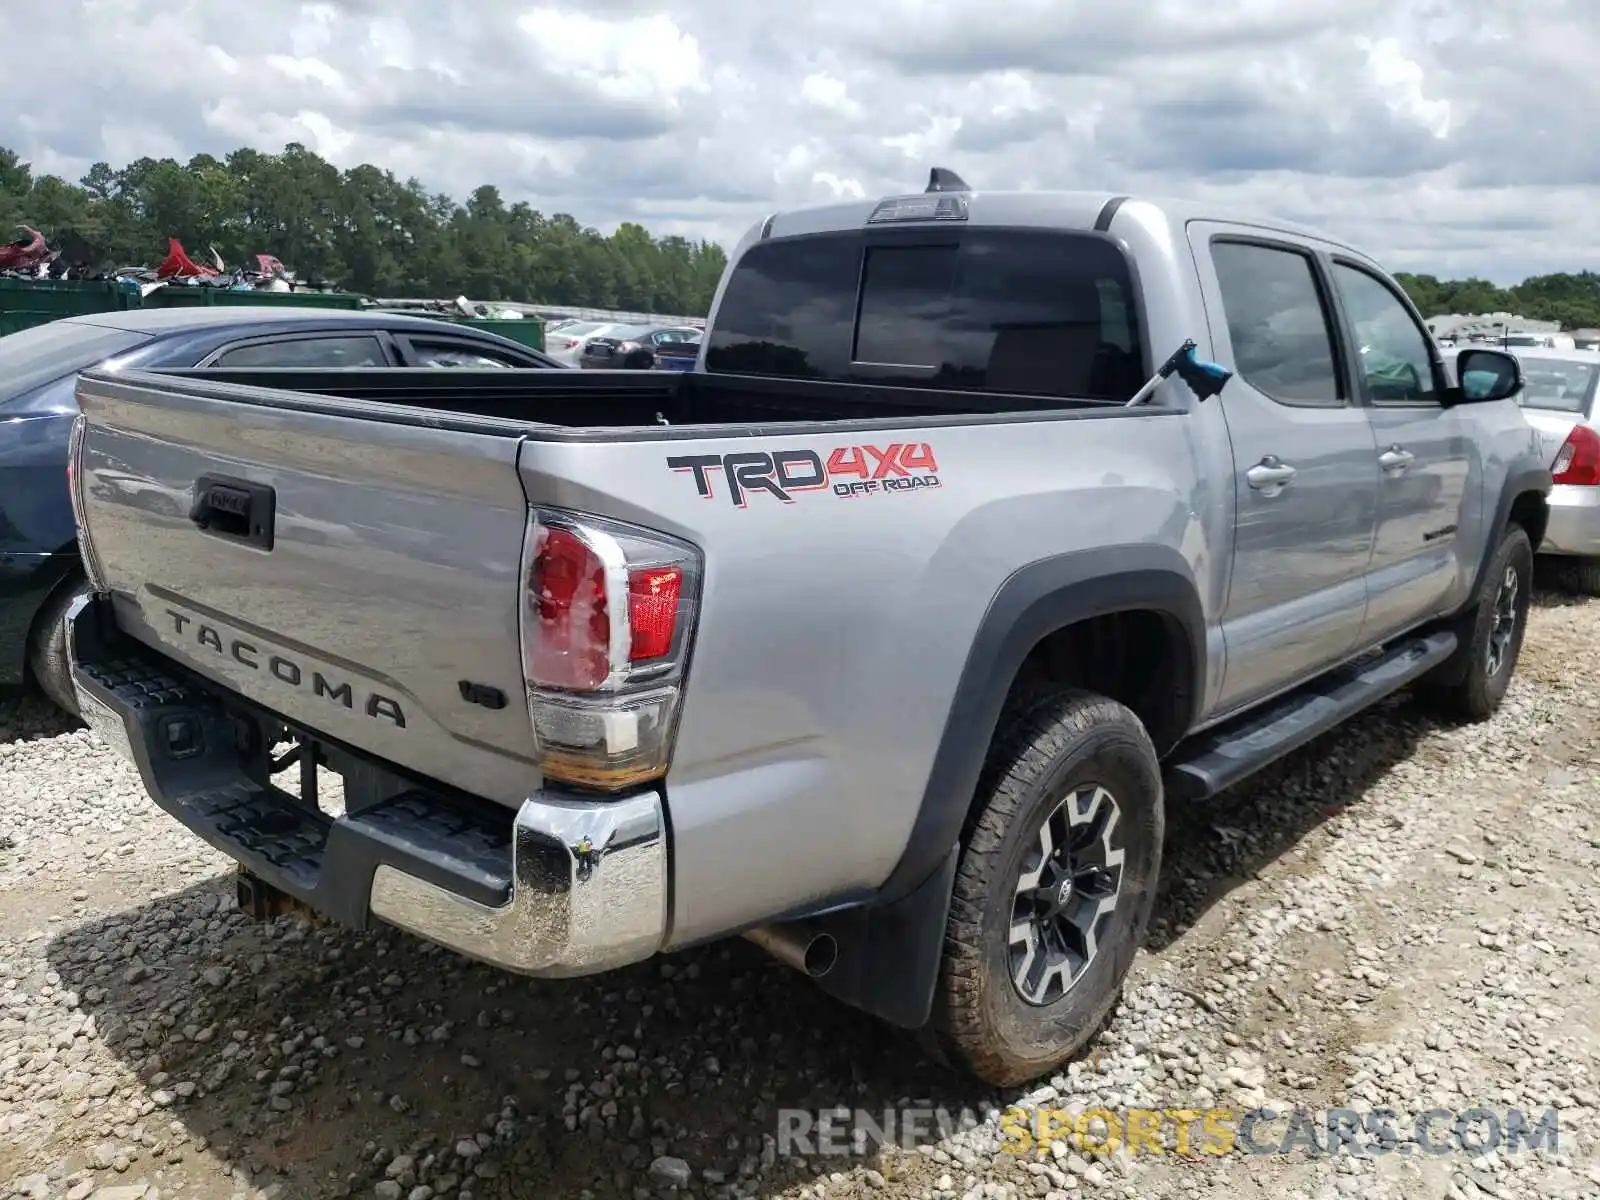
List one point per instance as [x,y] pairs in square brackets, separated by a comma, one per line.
[1031,604]
[1525,476]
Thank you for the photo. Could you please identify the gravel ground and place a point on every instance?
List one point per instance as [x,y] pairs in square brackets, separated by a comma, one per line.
[1404,915]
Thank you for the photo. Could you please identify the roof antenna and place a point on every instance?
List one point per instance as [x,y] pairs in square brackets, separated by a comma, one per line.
[942,179]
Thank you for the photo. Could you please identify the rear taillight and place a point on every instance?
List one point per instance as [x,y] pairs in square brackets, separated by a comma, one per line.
[1578,460]
[607,617]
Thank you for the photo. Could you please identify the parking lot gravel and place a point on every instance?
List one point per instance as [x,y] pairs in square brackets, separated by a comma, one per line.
[1404,915]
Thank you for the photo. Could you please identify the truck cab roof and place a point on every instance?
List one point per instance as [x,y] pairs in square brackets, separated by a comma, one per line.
[1062,210]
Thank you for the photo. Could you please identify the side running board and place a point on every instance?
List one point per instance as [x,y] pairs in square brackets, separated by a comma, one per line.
[1221,757]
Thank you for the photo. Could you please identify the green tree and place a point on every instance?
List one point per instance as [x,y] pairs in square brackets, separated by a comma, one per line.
[371,232]
[363,229]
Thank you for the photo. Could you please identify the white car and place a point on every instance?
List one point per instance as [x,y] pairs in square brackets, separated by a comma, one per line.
[1558,399]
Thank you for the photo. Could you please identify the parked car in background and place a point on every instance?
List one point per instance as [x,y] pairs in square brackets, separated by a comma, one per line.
[566,343]
[677,356]
[40,571]
[1558,398]
[1547,341]
[632,347]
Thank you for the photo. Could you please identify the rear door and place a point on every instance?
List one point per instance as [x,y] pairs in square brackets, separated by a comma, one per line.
[1305,469]
[1425,455]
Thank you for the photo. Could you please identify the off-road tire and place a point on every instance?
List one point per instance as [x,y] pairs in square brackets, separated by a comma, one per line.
[1582,575]
[1464,687]
[47,646]
[1059,743]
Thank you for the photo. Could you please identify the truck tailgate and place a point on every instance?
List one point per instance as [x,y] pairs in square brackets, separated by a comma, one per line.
[351,574]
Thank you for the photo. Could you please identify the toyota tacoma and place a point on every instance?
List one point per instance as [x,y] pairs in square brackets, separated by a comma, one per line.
[985,526]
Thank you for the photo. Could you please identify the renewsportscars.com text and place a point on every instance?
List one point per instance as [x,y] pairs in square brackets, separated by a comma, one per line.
[1181,1131]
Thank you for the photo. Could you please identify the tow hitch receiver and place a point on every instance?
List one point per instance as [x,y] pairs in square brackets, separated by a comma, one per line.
[261,901]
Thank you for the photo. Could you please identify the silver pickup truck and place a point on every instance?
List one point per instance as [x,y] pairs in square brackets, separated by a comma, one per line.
[881,638]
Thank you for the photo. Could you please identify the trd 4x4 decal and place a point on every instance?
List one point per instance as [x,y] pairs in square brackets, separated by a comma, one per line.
[849,471]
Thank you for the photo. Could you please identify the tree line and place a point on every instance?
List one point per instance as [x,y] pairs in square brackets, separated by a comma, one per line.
[1573,300]
[363,230]
[367,231]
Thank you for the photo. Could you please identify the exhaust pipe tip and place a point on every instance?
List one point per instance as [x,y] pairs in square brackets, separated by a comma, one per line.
[806,950]
[821,955]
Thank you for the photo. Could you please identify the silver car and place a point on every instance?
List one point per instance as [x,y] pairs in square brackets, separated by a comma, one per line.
[566,343]
[1559,402]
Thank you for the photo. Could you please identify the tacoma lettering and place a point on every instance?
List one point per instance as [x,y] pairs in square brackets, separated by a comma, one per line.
[286,670]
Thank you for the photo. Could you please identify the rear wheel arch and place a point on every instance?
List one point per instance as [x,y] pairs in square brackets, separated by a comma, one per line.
[1039,615]
[1524,500]
[1531,510]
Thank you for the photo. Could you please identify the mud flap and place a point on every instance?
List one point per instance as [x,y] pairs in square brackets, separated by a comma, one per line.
[890,954]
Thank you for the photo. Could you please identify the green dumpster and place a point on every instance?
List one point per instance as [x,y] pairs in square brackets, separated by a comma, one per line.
[529,331]
[25,303]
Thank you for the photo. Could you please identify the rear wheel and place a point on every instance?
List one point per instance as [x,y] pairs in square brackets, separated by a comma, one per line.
[1054,888]
[47,645]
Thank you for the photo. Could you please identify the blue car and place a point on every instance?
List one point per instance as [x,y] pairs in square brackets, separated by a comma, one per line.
[39,569]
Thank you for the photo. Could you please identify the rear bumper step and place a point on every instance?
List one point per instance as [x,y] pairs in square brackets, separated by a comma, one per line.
[1219,758]
[562,887]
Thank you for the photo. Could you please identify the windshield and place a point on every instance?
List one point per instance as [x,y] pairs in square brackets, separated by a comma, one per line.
[1558,385]
[34,357]
[1027,312]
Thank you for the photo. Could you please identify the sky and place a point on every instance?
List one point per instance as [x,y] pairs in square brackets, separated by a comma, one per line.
[1447,137]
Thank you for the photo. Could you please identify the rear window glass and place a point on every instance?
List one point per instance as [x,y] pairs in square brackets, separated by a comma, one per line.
[335,352]
[446,354]
[1015,311]
[31,358]
[1559,385]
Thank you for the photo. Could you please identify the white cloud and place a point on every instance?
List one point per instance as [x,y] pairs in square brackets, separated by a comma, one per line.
[829,93]
[1443,135]
[842,189]
[648,59]
[1400,81]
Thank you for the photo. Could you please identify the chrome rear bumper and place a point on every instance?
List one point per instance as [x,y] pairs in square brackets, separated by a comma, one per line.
[566,886]
[588,892]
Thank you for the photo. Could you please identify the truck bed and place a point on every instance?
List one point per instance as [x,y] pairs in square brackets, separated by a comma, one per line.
[345,548]
[601,400]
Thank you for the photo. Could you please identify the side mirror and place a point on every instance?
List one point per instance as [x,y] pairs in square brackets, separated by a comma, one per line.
[1486,375]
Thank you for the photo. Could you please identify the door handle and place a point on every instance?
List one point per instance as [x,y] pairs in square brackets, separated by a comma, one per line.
[1396,459]
[235,510]
[1270,475]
